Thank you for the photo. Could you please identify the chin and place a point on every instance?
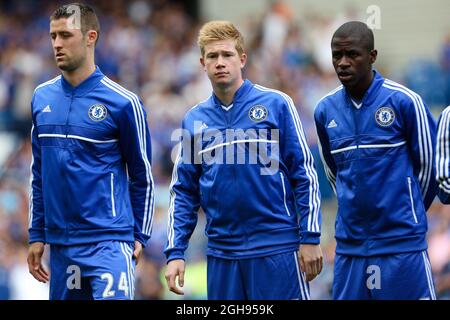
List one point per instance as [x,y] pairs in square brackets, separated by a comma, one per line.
[65,67]
[223,83]
[349,84]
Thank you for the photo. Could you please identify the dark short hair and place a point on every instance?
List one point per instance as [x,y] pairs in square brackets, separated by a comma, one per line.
[359,30]
[88,18]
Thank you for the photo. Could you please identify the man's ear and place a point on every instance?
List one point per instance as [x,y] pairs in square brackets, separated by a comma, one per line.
[202,62]
[373,56]
[92,37]
[243,59]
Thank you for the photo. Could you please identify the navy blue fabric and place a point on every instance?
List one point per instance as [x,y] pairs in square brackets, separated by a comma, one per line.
[107,271]
[274,277]
[403,276]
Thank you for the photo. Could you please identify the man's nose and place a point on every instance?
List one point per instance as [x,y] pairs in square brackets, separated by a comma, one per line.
[220,61]
[344,62]
[57,43]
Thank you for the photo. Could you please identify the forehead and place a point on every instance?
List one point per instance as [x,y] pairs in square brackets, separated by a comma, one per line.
[62,24]
[221,45]
[352,42]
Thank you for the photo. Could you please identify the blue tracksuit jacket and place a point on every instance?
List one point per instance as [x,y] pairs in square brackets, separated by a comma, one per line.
[91,174]
[249,214]
[379,159]
[443,156]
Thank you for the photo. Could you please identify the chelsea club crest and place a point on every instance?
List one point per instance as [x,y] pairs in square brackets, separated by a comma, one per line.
[385,116]
[97,112]
[258,113]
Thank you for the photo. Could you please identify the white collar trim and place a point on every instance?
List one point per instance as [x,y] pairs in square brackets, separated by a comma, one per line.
[227,108]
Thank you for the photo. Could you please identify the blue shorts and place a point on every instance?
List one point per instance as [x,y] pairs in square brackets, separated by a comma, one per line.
[404,276]
[98,271]
[275,277]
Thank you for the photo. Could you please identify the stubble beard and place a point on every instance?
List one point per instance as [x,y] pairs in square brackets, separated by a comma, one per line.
[71,65]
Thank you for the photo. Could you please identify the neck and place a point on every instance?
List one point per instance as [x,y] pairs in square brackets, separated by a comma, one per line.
[357,92]
[75,77]
[226,94]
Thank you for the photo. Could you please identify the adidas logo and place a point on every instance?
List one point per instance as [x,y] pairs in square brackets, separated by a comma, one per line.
[332,124]
[47,109]
[203,126]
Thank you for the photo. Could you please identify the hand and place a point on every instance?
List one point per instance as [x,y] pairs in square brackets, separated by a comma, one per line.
[137,251]
[34,260]
[311,260]
[175,268]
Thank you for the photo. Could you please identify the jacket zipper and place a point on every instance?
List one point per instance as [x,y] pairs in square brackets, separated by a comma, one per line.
[356,115]
[68,115]
[112,196]
[65,155]
[412,200]
[284,194]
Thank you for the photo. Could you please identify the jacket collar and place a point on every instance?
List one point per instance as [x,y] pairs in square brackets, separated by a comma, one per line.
[372,92]
[85,86]
[238,96]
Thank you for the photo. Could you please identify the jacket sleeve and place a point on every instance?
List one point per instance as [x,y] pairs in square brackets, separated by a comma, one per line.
[325,151]
[135,145]
[184,198]
[36,215]
[443,156]
[420,134]
[302,174]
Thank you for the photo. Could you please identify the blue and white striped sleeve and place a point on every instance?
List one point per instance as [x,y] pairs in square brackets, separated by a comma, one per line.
[36,218]
[184,199]
[420,132]
[135,145]
[324,148]
[302,174]
[443,156]
[421,137]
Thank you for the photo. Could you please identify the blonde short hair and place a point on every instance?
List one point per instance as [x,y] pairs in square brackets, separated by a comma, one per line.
[219,30]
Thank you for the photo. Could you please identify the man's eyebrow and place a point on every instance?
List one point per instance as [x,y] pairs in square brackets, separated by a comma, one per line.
[219,51]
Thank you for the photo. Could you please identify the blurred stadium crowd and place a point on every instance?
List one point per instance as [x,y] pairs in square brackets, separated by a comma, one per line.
[150,48]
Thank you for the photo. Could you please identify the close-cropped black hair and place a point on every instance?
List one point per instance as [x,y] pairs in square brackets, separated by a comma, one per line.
[356,29]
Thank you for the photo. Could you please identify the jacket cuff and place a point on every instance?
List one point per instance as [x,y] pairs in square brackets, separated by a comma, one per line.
[36,235]
[174,254]
[444,196]
[142,238]
[307,237]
